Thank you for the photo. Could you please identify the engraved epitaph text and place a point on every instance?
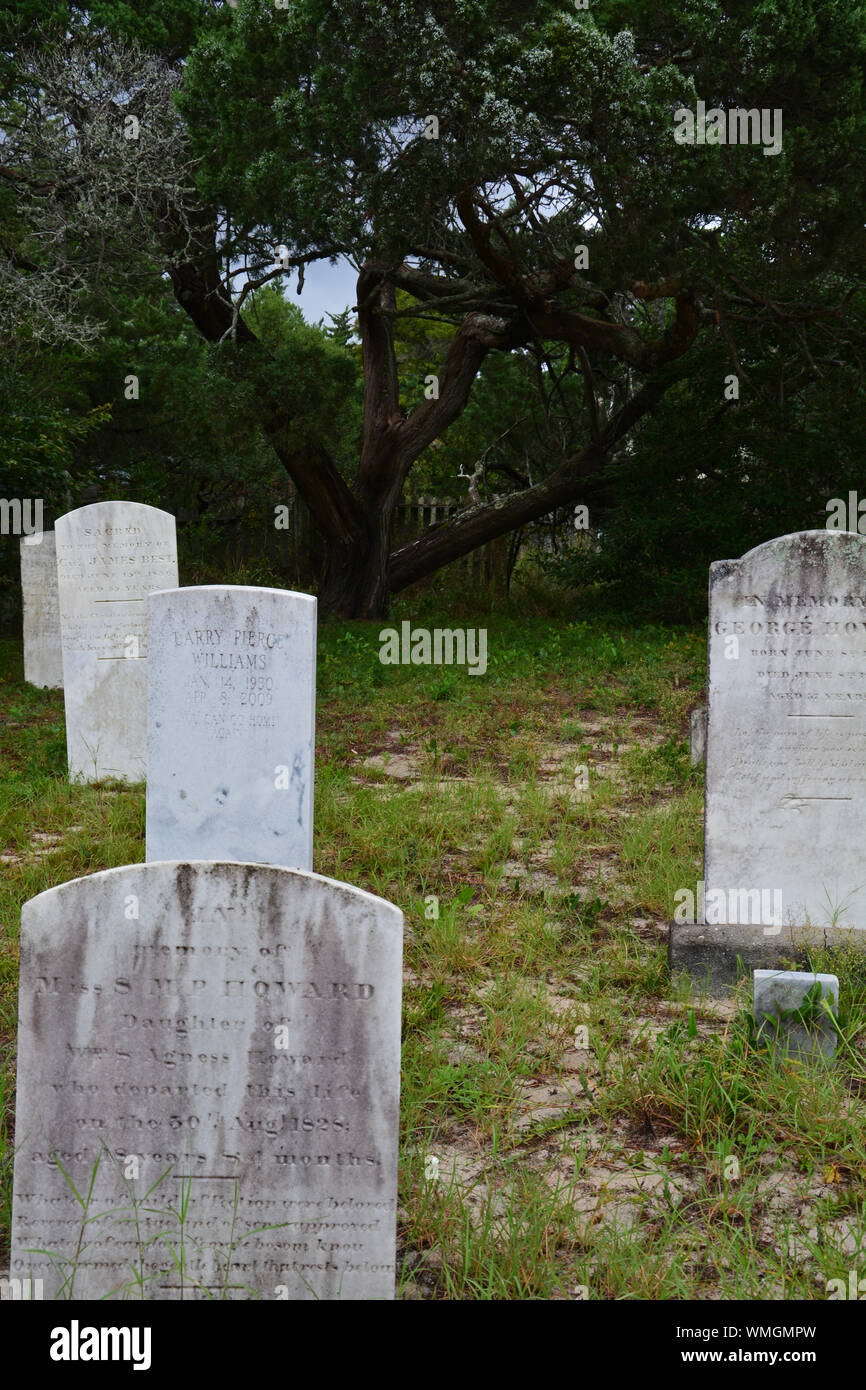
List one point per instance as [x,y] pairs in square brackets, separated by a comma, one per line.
[786,742]
[231,725]
[234,1046]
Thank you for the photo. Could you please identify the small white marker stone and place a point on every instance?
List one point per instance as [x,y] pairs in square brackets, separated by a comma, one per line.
[778,991]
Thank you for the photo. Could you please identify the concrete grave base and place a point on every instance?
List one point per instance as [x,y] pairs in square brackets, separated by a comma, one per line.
[709,954]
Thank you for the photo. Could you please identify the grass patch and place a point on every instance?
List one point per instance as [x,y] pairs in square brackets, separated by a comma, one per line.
[594,1134]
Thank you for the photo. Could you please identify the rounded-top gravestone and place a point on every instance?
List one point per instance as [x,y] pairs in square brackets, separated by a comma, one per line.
[231,725]
[786,733]
[214,1041]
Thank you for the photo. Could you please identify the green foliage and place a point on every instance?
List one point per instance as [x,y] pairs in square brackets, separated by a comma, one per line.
[335,157]
[47,426]
[166,25]
[707,479]
[566,1117]
[317,375]
[191,441]
[335,153]
[308,123]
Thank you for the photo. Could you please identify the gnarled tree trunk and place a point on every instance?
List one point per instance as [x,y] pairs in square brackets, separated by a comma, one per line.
[360,571]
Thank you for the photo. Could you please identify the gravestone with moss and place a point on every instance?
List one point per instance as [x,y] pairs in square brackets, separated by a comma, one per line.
[785,816]
[209,1059]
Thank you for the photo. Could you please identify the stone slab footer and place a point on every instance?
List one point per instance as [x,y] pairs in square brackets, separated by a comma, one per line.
[710,954]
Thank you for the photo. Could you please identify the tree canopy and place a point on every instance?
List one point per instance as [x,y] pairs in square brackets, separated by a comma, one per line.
[508,181]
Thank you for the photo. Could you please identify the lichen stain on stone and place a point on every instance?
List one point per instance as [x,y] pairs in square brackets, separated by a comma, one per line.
[272,920]
[185,883]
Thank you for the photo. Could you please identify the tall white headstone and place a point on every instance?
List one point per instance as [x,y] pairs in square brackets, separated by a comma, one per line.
[231,725]
[110,556]
[786,736]
[219,1039]
[785,814]
[43,661]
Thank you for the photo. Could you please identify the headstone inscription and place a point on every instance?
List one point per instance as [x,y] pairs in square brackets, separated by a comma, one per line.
[110,555]
[222,1039]
[785,818]
[231,725]
[43,662]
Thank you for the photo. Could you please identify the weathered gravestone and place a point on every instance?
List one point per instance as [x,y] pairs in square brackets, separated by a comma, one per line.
[698,736]
[796,1011]
[43,662]
[110,556]
[785,819]
[231,725]
[226,1033]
